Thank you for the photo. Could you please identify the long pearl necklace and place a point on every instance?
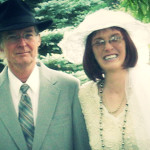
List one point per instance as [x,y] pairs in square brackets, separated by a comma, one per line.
[101,86]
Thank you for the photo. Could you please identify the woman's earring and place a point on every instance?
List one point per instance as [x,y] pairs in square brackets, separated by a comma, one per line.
[103,75]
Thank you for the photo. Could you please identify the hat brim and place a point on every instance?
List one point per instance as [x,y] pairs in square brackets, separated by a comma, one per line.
[44,25]
[102,19]
[40,25]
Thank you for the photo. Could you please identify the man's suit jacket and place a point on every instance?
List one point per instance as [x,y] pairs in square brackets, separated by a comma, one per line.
[59,125]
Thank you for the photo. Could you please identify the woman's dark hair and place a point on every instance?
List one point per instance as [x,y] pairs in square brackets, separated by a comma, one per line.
[90,65]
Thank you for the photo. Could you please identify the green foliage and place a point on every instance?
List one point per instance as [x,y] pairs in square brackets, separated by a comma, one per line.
[139,8]
[1,1]
[49,44]
[67,13]
[2,65]
[57,62]
[113,4]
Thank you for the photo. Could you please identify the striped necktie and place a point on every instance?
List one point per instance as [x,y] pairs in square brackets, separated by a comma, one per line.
[26,116]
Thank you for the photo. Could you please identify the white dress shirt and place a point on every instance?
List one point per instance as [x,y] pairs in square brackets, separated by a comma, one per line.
[34,83]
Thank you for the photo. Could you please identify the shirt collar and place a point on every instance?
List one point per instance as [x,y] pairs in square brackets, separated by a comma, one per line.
[15,83]
[33,80]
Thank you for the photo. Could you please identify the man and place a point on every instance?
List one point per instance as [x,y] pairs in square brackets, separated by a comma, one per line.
[47,114]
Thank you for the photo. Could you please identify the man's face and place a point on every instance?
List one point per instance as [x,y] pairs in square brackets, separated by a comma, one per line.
[21,47]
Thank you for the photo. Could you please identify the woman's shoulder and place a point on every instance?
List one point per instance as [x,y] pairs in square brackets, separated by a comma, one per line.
[88,90]
[87,86]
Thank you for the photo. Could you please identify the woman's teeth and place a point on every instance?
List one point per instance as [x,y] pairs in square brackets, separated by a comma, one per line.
[110,57]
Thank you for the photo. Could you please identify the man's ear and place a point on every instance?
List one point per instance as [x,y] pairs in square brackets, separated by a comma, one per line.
[39,40]
[2,55]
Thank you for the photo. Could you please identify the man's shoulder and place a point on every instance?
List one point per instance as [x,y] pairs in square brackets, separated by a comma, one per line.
[59,75]
[64,76]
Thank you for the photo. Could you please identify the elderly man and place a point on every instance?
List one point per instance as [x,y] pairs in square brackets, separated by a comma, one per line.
[39,107]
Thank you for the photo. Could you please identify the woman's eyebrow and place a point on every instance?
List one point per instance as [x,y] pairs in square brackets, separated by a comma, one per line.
[115,34]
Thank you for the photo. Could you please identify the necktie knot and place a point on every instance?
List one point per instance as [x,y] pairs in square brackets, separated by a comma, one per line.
[24,88]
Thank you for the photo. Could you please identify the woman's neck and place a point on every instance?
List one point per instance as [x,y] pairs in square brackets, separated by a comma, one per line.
[114,95]
[115,81]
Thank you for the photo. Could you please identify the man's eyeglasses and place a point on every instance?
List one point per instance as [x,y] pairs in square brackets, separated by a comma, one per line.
[114,40]
[14,38]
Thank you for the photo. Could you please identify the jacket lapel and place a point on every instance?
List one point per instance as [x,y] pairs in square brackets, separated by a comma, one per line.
[7,112]
[47,102]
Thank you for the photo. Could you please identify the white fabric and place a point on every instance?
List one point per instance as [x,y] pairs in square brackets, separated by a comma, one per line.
[33,92]
[73,43]
[138,120]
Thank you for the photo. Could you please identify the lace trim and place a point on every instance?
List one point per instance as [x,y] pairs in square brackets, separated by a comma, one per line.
[89,100]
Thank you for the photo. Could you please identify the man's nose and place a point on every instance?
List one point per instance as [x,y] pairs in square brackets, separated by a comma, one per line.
[22,41]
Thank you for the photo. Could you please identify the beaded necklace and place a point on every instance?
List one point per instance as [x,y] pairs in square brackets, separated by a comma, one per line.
[101,86]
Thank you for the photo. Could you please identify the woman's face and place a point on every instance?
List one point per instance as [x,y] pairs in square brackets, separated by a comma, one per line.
[109,49]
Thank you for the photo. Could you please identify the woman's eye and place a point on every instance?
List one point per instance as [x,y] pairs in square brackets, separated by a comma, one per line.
[100,42]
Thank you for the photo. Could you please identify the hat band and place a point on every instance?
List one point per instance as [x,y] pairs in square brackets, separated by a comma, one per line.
[18,20]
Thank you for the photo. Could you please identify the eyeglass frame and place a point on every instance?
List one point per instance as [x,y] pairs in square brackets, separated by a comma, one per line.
[18,37]
[110,41]
[14,38]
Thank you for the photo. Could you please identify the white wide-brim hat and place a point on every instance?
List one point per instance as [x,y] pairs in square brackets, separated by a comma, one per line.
[73,43]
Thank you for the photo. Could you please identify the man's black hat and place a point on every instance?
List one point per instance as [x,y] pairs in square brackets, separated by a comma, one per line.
[16,14]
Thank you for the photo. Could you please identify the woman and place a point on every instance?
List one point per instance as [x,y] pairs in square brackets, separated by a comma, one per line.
[115,103]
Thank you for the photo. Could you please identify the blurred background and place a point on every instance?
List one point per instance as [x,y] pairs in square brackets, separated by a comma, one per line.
[67,14]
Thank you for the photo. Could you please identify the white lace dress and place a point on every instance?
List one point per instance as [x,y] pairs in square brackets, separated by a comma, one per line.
[90,103]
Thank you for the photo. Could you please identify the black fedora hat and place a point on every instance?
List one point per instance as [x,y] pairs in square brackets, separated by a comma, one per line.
[16,14]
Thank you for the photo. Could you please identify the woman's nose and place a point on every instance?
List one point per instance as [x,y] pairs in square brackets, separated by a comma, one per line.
[108,46]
